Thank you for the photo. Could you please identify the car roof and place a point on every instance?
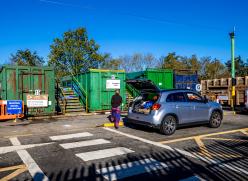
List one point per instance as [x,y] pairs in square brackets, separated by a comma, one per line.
[177,90]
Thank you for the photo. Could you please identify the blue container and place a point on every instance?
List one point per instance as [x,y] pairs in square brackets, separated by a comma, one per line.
[185,79]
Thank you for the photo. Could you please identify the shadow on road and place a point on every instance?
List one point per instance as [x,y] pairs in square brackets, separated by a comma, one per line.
[177,166]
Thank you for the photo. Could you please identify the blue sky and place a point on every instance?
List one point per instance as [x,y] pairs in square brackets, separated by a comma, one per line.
[127,26]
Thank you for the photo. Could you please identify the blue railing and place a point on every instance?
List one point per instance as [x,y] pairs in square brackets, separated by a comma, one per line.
[82,94]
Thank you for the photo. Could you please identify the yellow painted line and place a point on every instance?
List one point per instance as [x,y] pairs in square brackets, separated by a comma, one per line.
[13,174]
[203,149]
[226,155]
[204,135]
[177,140]
[12,168]
[18,170]
[244,131]
[224,139]
[112,124]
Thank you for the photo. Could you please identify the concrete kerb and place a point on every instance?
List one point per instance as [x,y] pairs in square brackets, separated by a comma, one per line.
[61,116]
[72,115]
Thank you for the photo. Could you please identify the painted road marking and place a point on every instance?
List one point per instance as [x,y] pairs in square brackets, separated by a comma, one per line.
[225,139]
[84,143]
[244,131]
[204,135]
[70,136]
[177,140]
[18,170]
[193,155]
[20,135]
[131,169]
[94,155]
[8,149]
[33,168]
[202,147]
[148,141]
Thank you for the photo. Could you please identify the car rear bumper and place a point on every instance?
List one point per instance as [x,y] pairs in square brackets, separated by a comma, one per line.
[143,123]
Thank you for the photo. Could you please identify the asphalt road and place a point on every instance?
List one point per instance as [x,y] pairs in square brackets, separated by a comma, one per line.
[74,148]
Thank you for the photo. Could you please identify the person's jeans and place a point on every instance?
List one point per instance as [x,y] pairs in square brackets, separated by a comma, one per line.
[116,116]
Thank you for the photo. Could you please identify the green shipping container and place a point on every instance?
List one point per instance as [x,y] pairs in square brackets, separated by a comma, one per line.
[100,86]
[18,81]
[163,78]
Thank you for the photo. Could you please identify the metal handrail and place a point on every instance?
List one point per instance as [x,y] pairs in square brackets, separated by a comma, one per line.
[63,100]
[74,80]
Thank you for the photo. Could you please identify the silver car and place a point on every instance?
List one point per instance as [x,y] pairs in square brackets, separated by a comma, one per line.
[170,109]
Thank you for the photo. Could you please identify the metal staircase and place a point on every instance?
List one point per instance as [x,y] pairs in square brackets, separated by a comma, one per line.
[69,101]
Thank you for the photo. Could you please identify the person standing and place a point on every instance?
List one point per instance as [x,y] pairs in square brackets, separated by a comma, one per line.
[116,101]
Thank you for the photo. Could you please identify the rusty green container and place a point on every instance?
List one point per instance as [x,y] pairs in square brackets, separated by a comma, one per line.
[18,81]
[163,78]
[95,81]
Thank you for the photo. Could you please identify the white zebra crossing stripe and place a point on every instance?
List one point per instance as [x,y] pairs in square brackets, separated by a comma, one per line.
[94,155]
[131,169]
[70,136]
[84,143]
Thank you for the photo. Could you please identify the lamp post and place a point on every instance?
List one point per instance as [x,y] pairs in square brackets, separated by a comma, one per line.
[232,35]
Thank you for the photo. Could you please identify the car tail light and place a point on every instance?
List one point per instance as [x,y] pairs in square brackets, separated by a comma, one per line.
[156,106]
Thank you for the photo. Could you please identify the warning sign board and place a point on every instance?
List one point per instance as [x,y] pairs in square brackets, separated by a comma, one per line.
[113,84]
[34,101]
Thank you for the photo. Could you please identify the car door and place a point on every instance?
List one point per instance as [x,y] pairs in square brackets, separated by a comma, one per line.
[200,109]
[177,104]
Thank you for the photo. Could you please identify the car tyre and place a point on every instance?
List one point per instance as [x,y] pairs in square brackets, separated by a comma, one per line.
[215,119]
[168,125]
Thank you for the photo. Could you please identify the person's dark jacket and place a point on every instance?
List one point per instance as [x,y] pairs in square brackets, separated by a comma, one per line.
[116,101]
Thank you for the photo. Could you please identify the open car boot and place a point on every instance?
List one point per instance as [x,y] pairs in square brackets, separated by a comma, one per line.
[143,104]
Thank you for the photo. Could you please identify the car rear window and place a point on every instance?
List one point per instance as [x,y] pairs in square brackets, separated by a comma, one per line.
[176,97]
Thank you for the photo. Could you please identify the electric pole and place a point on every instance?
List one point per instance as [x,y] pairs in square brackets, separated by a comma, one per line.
[232,35]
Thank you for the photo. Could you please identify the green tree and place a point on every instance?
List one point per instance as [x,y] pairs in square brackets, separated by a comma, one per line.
[26,58]
[193,63]
[110,62]
[74,53]
[215,69]
[173,61]
[241,67]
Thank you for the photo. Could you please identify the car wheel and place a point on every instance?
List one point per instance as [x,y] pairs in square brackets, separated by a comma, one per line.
[215,120]
[168,125]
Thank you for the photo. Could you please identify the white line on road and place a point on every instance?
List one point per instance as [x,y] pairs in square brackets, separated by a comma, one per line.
[131,169]
[69,136]
[183,152]
[94,155]
[33,168]
[84,143]
[8,149]
[150,142]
